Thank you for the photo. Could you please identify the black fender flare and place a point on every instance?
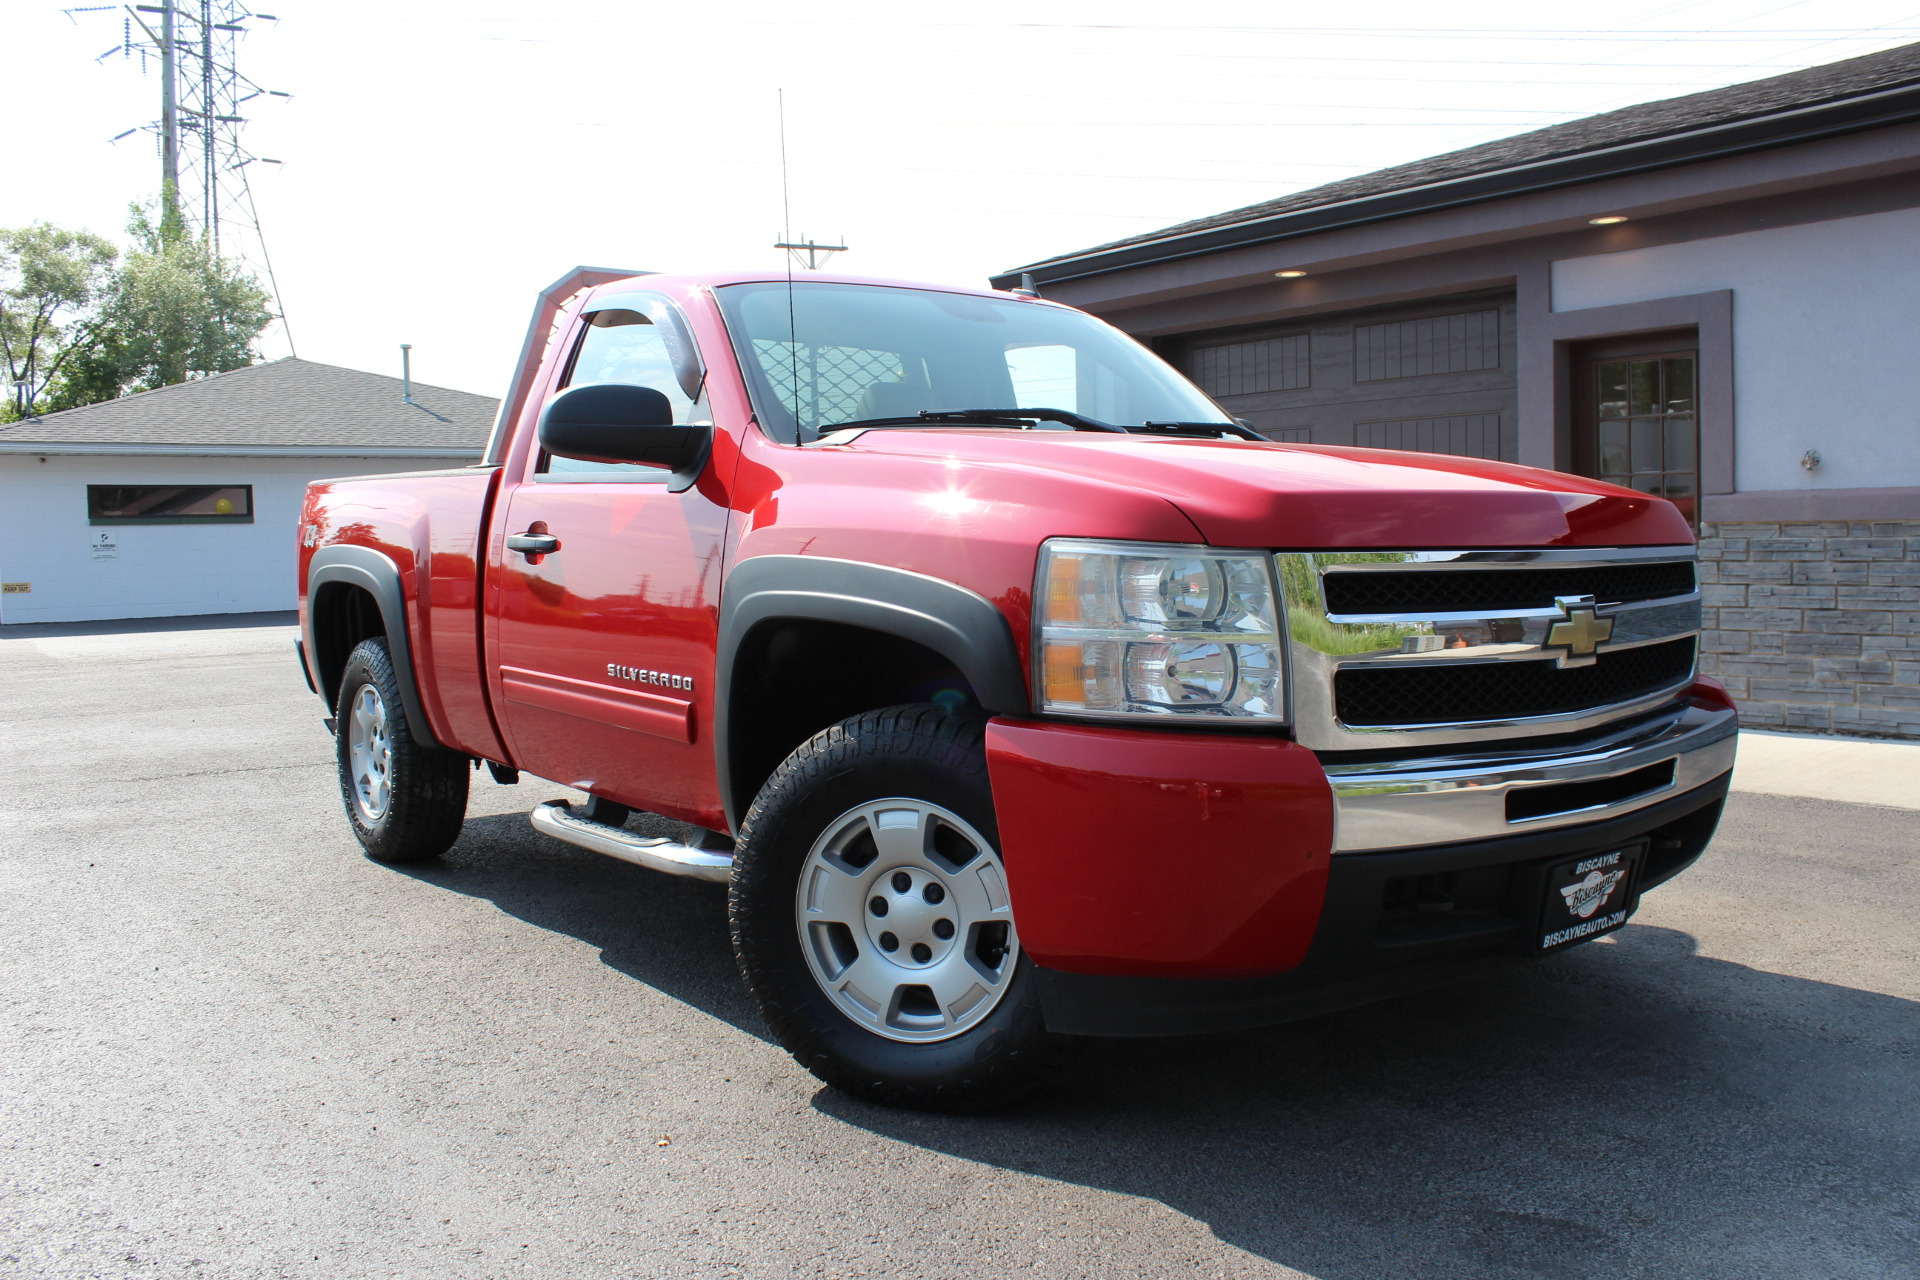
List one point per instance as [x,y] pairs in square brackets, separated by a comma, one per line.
[376,574]
[961,626]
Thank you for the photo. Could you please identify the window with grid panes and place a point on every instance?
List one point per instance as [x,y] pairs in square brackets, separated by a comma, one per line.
[1648,435]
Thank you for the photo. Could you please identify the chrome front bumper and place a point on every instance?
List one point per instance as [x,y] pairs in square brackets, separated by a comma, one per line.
[1442,799]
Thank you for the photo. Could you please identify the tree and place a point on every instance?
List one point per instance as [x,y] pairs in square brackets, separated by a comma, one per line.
[50,282]
[175,310]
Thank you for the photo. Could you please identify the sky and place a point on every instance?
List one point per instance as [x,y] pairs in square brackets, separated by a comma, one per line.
[442,161]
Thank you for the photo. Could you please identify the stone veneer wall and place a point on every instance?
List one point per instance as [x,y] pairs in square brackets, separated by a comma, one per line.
[1816,626]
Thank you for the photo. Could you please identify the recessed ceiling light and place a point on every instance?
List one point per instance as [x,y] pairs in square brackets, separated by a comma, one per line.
[1291,273]
[1609,220]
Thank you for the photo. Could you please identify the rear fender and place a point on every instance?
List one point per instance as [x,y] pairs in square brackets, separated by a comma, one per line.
[377,575]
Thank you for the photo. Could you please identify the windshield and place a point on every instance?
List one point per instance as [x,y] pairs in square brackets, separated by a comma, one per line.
[819,356]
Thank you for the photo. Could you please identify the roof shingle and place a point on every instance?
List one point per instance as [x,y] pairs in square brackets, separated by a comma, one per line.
[282,404]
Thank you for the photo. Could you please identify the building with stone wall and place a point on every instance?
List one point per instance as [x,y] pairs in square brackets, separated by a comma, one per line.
[1713,299]
[1815,625]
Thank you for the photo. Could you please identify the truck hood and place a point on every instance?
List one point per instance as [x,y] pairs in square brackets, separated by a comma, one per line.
[1239,493]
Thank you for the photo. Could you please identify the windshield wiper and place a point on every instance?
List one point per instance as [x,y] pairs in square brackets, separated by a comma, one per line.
[984,417]
[1239,430]
[1078,421]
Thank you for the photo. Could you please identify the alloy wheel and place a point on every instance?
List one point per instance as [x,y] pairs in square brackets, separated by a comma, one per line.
[370,755]
[905,922]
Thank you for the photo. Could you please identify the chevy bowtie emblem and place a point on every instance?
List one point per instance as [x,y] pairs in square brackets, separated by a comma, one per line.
[1580,632]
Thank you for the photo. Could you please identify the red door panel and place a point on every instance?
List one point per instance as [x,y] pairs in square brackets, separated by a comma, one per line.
[606,646]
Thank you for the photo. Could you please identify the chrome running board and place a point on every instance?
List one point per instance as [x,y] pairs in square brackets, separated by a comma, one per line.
[557,819]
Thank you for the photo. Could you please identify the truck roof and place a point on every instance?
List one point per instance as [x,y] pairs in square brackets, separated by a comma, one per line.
[774,275]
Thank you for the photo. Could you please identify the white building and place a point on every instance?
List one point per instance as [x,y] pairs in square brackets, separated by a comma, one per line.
[186,500]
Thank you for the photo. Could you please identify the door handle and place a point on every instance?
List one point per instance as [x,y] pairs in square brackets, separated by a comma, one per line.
[533,544]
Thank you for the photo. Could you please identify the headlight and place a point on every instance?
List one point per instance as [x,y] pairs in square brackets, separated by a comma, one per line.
[1149,629]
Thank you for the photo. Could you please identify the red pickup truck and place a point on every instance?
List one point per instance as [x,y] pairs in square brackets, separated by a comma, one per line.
[1017,692]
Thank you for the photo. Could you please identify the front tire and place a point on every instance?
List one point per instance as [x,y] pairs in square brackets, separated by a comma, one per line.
[871,921]
[406,800]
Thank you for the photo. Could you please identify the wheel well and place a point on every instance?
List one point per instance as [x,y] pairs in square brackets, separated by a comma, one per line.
[343,615]
[794,677]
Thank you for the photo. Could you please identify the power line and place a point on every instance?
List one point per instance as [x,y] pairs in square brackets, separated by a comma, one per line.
[1246,57]
[1715,34]
[1877,34]
[1199,124]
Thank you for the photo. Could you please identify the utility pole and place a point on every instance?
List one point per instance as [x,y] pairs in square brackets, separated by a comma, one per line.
[816,253]
[169,112]
[209,131]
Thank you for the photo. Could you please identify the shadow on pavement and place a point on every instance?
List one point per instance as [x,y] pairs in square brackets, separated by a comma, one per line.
[136,626]
[665,931]
[1626,1108]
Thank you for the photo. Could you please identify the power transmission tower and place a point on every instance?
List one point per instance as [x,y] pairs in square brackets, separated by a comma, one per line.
[203,166]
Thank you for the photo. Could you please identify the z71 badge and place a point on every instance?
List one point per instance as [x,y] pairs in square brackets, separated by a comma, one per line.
[641,675]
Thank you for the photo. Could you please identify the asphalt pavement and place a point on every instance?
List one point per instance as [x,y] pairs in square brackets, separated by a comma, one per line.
[234,1047]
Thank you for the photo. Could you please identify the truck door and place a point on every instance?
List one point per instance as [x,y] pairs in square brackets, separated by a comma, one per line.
[605,647]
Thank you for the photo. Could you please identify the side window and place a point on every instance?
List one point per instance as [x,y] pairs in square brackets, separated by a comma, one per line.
[623,347]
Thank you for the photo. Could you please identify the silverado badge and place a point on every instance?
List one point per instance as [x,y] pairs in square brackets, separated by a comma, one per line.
[1580,631]
[643,675]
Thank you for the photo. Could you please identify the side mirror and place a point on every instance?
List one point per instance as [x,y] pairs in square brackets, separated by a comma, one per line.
[611,422]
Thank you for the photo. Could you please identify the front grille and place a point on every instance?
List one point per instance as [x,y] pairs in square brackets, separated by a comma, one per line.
[1494,590]
[1453,693]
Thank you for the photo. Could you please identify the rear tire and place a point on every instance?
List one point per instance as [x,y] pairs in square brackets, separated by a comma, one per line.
[870,920]
[405,800]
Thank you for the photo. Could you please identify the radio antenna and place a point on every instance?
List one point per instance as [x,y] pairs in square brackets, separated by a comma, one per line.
[786,230]
[815,255]
[786,198]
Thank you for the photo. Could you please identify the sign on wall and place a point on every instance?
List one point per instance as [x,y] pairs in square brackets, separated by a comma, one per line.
[104,547]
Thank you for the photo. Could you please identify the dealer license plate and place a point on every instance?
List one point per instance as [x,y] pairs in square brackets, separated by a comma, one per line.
[1588,896]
